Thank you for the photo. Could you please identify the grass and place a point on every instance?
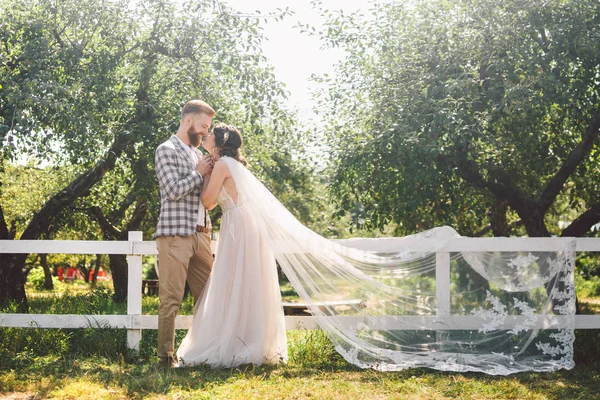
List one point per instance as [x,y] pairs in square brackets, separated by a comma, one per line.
[95,364]
[95,377]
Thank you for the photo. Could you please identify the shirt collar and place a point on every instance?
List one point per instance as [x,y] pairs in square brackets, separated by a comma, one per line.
[183,143]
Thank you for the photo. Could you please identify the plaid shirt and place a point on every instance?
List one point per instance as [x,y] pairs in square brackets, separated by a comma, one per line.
[180,187]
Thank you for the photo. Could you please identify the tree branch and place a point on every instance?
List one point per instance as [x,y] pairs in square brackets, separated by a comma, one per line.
[105,225]
[58,38]
[500,184]
[467,170]
[177,54]
[488,229]
[138,215]
[80,185]
[502,187]
[583,223]
[118,214]
[84,182]
[573,160]
[515,196]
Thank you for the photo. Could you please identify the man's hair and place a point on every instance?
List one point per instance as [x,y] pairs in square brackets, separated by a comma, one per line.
[197,107]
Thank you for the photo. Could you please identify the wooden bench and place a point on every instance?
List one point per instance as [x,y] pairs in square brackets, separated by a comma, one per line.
[150,287]
[301,308]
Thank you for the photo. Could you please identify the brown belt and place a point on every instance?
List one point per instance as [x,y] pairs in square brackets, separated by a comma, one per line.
[202,229]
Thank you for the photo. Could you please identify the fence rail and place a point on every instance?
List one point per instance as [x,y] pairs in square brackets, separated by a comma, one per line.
[135,248]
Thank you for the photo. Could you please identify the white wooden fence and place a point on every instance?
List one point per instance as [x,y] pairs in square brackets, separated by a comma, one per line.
[136,247]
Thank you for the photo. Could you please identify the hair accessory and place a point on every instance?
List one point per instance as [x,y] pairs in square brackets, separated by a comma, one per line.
[225,136]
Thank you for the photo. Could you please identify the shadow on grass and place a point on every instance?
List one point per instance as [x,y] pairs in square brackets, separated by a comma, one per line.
[145,377]
[43,361]
[589,306]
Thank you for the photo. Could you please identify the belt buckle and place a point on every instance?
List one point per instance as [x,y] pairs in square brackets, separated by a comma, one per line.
[202,229]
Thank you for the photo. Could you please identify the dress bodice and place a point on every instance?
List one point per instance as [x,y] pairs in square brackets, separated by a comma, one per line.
[225,200]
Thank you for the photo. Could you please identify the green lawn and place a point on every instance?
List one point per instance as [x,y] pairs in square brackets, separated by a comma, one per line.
[94,377]
[94,363]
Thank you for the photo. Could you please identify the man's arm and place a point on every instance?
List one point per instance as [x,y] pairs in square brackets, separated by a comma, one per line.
[168,177]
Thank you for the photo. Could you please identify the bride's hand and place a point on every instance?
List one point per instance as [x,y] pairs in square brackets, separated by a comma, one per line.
[204,165]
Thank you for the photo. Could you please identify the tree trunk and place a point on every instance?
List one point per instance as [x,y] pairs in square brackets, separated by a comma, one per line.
[85,271]
[120,274]
[11,272]
[80,186]
[96,269]
[506,191]
[48,284]
[535,225]
[498,221]
[118,263]
[12,281]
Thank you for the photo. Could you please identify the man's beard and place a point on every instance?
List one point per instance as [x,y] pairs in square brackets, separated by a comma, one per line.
[194,137]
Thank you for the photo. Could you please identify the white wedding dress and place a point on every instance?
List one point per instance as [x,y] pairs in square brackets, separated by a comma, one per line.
[501,312]
[239,319]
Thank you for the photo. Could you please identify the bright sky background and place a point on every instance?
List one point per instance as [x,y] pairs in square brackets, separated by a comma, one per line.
[295,55]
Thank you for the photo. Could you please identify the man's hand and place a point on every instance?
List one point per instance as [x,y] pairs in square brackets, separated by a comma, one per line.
[204,165]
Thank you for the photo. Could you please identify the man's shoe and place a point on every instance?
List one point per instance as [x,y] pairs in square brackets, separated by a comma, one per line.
[167,362]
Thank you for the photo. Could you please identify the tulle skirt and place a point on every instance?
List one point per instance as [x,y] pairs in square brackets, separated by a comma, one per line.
[239,319]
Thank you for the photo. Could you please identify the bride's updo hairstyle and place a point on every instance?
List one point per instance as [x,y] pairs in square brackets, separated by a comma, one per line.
[228,140]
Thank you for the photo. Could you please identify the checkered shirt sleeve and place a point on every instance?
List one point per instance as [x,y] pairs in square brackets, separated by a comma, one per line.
[180,189]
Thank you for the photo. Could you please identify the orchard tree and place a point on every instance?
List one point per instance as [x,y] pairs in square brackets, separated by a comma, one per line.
[94,83]
[482,114]
[39,184]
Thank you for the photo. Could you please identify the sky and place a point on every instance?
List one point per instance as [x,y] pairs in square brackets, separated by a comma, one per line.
[295,56]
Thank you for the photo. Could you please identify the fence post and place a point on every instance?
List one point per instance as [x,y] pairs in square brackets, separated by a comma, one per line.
[134,289]
[442,283]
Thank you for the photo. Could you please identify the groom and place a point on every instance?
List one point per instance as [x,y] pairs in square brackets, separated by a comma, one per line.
[183,230]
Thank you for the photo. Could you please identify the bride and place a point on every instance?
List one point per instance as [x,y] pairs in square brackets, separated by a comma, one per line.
[498,315]
[239,319]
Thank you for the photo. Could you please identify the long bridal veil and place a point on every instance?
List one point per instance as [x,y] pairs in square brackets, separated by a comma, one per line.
[501,313]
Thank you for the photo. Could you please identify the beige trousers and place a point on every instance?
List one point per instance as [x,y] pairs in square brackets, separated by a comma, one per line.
[180,258]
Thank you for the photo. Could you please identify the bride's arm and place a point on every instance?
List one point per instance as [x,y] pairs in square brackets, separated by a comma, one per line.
[212,184]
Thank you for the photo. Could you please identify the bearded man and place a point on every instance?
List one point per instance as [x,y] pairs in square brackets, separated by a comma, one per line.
[183,229]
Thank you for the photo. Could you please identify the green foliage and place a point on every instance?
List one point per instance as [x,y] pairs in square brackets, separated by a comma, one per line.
[79,76]
[442,108]
[37,278]
[30,343]
[25,189]
[61,72]
[587,287]
[91,88]
[588,265]
[95,302]
[312,349]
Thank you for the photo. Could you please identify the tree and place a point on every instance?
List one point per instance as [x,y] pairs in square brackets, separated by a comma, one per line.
[92,82]
[480,114]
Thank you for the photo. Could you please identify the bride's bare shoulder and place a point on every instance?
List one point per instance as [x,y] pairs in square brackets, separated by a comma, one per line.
[221,166]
